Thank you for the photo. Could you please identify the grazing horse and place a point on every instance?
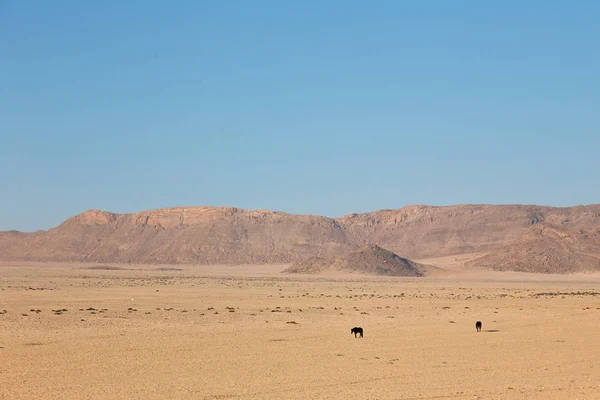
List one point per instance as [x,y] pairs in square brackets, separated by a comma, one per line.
[357,331]
[478,326]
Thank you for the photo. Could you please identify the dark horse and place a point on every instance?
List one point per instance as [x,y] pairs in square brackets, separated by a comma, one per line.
[478,326]
[357,331]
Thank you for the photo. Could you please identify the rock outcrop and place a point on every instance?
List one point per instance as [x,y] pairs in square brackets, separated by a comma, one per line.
[371,260]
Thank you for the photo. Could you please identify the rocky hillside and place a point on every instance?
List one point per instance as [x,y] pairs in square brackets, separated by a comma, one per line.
[196,235]
[203,235]
[547,248]
[371,260]
[426,231]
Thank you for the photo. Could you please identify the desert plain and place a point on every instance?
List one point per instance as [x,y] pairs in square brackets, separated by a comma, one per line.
[120,331]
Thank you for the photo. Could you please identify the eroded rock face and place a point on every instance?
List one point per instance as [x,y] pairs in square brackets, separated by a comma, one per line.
[94,217]
[426,231]
[169,218]
[196,235]
[207,235]
[546,248]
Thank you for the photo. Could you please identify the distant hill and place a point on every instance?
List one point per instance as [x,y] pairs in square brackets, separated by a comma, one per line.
[547,248]
[372,260]
[195,235]
[427,231]
[227,235]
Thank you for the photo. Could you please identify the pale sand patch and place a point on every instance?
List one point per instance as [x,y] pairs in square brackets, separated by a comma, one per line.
[211,333]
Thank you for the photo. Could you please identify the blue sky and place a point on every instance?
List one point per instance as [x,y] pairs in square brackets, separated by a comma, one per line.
[306,107]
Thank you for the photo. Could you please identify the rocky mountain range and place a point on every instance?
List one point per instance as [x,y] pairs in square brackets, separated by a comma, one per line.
[510,237]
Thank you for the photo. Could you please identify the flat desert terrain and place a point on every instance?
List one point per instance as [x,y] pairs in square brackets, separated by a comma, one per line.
[75,331]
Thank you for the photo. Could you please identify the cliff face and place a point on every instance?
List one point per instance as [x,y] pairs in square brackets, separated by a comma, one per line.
[425,231]
[206,235]
[181,235]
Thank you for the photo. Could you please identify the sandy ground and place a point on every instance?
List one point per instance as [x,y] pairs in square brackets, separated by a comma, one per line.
[251,333]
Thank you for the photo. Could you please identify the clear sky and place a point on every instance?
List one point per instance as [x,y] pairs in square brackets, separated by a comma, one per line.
[324,107]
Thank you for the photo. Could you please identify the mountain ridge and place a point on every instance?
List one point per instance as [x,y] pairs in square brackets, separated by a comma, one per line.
[230,235]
